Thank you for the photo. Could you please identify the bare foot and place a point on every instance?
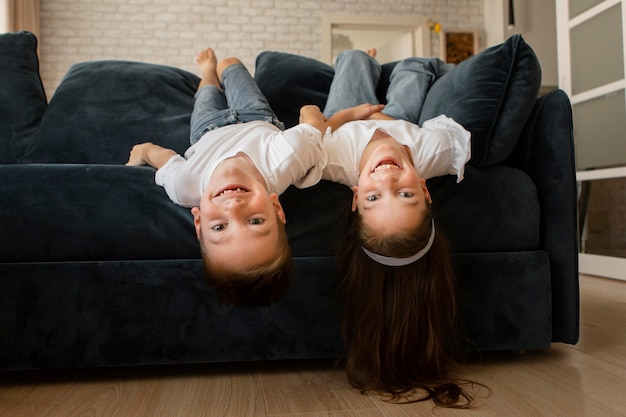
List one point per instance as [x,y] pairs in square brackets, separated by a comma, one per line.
[371,52]
[207,62]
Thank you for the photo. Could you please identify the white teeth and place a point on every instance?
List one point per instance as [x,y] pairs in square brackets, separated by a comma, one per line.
[236,190]
[386,166]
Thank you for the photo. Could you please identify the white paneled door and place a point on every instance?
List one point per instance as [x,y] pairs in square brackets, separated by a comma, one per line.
[591,61]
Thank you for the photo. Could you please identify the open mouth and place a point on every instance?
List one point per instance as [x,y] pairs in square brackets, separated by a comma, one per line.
[386,164]
[231,190]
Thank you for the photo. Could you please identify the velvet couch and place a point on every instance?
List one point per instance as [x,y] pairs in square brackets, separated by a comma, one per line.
[99,268]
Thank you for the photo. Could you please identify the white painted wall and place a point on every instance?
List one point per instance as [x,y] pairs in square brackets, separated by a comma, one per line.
[4,16]
[536,21]
[171,32]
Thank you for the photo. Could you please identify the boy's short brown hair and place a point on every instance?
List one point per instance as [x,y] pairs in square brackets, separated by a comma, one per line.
[252,287]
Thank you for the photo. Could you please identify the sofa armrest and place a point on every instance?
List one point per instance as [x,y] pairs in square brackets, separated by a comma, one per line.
[546,152]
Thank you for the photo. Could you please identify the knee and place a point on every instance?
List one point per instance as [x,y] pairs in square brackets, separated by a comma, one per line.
[225,63]
[352,55]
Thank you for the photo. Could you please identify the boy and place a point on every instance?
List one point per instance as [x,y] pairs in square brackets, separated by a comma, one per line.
[240,160]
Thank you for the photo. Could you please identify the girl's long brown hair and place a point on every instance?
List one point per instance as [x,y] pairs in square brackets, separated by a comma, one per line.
[400,323]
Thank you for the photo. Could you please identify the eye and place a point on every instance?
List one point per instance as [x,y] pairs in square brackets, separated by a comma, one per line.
[218,227]
[256,221]
[372,197]
[406,194]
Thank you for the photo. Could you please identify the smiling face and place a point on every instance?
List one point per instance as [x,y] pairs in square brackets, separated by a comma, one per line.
[238,220]
[390,196]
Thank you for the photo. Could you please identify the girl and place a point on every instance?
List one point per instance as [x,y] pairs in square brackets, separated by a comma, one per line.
[400,319]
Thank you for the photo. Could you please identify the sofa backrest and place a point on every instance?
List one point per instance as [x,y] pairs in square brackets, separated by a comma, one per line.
[102,108]
[22,97]
[491,94]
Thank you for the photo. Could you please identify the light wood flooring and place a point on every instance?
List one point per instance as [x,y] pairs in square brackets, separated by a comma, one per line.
[588,379]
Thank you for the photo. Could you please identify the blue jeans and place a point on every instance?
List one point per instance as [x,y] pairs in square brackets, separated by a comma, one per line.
[357,75]
[239,101]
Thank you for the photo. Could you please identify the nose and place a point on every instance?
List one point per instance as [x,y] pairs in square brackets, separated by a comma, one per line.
[385,178]
[233,204]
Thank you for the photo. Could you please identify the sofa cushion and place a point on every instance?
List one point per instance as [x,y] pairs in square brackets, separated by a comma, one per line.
[492,95]
[80,212]
[22,97]
[102,212]
[102,108]
[290,81]
[484,213]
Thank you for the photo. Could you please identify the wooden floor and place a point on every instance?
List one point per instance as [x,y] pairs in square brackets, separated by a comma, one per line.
[588,379]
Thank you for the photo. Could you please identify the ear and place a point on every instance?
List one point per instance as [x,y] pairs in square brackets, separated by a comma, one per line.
[355,194]
[426,192]
[195,211]
[278,207]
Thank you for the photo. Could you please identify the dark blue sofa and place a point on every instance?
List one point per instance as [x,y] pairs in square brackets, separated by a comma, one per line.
[99,268]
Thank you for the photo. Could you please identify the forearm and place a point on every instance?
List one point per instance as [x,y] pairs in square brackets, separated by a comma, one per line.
[312,115]
[339,118]
[361,112]
[158,156]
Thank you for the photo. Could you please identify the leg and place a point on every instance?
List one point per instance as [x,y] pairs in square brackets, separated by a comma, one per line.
[356,76]
[210,102]
[207,62]
[243,94]
[410,80]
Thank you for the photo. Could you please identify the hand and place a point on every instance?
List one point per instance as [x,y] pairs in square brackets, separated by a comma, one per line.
[310,110]
[138,154]
[312,115]
[364,111]
[148,153]
[360,112]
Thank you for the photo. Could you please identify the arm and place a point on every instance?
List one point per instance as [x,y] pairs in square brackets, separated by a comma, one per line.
[360,112]
[311,114]
[151,154]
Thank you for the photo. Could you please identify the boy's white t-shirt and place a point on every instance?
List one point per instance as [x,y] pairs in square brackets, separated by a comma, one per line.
[440,146]
[294,156]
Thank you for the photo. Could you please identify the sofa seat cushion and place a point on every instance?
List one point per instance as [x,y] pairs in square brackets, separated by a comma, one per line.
[22,97]
[492,95]
[505,300]
[102,108]
[77,212]
[60,212]
[90,314]
[492,210]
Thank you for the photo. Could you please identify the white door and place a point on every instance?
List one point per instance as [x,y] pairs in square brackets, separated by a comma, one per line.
[591,61]
[395,38]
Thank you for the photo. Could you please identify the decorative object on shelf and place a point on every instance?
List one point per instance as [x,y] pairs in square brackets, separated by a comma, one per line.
[458,45]
[433,23]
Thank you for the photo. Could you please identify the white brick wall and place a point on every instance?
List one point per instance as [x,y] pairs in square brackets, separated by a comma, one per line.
[171,33]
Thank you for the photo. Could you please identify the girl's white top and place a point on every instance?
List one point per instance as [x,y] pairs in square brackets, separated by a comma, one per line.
[440,146]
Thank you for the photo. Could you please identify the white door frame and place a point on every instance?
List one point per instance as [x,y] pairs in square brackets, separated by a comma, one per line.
[415,24]
[607,266]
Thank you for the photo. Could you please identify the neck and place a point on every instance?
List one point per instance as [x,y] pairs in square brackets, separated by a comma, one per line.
[242,162]
[379,138]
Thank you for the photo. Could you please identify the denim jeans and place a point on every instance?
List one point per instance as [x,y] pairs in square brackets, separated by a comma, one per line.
[239,101]
[357,75]
[354,82]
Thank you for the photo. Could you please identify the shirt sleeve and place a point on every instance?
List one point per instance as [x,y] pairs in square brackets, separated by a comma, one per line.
[457,137]
[310,153]
[166,177]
